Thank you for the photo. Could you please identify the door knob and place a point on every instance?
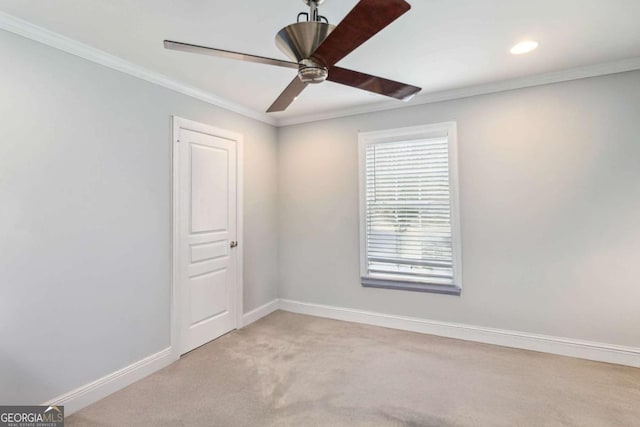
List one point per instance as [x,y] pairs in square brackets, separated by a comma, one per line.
[234,244]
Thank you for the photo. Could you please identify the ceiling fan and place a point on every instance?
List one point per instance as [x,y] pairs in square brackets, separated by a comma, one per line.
[316,46]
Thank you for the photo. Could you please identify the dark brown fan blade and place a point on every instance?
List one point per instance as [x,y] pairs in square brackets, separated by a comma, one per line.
[363,22]
[373,84]
[192,48]
[288,95]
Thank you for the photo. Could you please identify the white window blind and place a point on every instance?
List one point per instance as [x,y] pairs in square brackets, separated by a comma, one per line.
[408,211]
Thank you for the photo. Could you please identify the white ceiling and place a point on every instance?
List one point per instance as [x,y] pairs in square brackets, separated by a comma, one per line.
[438,45]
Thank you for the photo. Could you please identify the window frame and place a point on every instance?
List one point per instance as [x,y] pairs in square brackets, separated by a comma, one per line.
[437,130]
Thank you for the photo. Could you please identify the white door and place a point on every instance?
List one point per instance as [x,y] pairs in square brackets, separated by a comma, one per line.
[206,297]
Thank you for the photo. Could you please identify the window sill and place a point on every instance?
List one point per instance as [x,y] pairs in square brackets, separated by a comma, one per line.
[370,282]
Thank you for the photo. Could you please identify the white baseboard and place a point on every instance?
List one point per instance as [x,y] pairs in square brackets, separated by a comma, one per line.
[87,394]
[629,356]
[83,396]
[260,312]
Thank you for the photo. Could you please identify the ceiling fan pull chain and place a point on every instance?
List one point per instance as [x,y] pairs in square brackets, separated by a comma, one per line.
[314,12]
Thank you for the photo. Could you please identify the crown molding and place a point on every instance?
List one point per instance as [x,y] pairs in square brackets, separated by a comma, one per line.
[31,31]
[26,29]
[622,66]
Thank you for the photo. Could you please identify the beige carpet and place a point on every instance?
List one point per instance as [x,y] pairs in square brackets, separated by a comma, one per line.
[293,370]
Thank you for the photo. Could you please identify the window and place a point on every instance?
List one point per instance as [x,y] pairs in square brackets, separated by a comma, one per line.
[409,227]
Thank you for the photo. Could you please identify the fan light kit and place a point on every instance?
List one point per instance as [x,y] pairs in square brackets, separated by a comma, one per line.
[314,46]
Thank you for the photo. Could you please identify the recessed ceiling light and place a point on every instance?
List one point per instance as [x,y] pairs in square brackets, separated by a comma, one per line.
[524,47]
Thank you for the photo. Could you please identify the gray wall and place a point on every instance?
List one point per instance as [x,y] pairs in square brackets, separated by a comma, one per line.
[550,194]
[550,211]
[85,179]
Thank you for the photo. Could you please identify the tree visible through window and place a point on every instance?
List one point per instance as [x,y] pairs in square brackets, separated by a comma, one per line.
[408,226]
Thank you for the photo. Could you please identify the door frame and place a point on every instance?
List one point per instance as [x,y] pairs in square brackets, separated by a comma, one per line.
[178,123]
